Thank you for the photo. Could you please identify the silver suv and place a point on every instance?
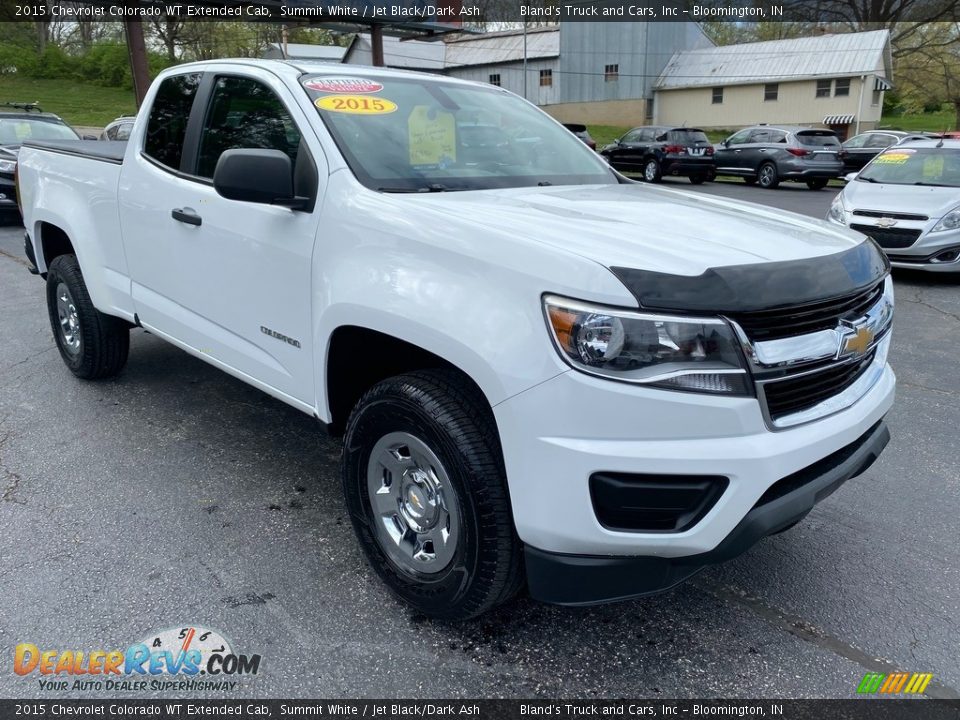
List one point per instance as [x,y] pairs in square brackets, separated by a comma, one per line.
[767,155]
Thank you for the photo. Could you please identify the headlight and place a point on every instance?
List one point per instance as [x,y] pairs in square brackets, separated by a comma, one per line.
[837,213]
[664,351]
[950,221]
[8,166]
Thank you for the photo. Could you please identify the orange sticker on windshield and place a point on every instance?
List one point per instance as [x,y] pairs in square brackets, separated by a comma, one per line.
[356,104]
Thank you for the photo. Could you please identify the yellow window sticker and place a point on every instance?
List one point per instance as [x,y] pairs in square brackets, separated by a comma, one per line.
[356,104]
[894,157]
[432,136]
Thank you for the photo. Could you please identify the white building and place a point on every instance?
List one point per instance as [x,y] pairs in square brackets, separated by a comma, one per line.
[835,81]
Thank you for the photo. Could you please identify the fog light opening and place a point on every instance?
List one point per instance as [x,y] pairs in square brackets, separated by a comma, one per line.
[947,256]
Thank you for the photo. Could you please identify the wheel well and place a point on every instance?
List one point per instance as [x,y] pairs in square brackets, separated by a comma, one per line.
[358,358]
[54,242]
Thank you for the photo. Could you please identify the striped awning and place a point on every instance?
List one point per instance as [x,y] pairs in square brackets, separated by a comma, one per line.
[881,84]
[838,119]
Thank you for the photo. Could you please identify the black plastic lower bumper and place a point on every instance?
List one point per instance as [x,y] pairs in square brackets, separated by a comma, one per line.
[589,580]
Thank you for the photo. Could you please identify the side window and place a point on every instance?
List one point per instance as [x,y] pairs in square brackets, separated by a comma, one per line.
[123,131]
[112,132]
[880,140]
[167,124]
[632,136]
[759,136]
[858,141]
[777,136]
[739,138]
[244,113]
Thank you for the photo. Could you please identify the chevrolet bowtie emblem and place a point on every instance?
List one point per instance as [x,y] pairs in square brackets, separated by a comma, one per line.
[885,222]
[858,343]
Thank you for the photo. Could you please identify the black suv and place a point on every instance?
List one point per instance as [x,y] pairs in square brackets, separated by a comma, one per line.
[20,122]
[657,151]
[765,155]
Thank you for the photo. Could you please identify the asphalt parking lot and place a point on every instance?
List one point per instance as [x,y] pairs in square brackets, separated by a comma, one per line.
[175,495]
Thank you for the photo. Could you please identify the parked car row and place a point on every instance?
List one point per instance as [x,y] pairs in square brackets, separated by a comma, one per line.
[765,155]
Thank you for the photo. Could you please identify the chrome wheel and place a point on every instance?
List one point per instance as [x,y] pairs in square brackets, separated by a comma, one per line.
[768,174]
[69,320]
[650,171]
[416,515]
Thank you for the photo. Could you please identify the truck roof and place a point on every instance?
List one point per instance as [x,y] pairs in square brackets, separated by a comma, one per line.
[293,69]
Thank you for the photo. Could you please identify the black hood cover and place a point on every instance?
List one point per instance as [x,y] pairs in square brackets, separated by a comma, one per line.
[759,286]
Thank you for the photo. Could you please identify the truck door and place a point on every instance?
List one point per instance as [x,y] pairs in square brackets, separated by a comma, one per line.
[229,280]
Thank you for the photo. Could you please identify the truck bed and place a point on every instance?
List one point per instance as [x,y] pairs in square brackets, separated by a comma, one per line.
[111,151]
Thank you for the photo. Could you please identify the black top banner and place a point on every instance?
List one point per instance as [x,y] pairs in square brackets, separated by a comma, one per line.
[48,709]
[446,15]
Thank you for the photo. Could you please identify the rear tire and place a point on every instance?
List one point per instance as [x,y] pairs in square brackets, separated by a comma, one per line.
[698,179]
[750,181]
[426,490]
[817,183]
[93,345]
[767,176]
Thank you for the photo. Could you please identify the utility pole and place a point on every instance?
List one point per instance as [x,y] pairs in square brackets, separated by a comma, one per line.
[524,59]
[376,44]
[284,38]
[137,49]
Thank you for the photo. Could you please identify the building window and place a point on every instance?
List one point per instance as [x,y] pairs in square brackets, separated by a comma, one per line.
[611,73]
[823,88]
[718,96]
[495,79]
[876,97]
[771,91]
[842,88]
[546,78]
[648,109]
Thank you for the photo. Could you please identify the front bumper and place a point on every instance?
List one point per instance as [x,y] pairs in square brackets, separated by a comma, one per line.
[586,580]
[559,433]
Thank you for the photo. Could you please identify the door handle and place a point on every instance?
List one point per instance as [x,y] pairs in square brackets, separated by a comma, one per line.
[737,151]
[186,215]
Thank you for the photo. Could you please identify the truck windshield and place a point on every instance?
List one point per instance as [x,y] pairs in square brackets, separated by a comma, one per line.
[914,166]
[14,131]
[420,135]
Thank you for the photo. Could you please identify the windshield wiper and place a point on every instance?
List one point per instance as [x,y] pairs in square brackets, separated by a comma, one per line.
[921,182]
[435,187]
[867,179]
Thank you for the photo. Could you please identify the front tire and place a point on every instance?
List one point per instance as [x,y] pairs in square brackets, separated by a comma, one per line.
[817,183]
[93,345]
[698,179]
[426,490]
[767,176]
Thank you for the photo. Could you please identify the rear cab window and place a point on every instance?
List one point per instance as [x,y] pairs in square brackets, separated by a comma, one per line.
[169,115]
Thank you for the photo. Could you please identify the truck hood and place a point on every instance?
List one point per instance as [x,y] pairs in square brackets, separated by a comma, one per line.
[934,202]
[675,250]
[638,226]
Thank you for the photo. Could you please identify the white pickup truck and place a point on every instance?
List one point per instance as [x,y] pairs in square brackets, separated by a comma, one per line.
[545,373]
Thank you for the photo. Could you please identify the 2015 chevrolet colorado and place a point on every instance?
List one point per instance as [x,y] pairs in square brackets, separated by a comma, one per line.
[544,372]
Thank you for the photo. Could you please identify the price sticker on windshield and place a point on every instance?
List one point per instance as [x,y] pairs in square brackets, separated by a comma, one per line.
[356,104]
[894,157]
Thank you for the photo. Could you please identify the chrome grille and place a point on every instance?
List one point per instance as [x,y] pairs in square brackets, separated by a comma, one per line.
[801,392]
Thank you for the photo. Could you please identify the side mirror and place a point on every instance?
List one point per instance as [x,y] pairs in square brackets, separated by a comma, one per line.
[726,143]
[850,177]
[90,137]
[258,176]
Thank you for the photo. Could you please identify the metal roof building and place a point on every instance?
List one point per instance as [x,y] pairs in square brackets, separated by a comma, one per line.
[301,51]
[834,80]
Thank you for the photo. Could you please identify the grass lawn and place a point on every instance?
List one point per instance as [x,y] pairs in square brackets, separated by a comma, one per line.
[77,103]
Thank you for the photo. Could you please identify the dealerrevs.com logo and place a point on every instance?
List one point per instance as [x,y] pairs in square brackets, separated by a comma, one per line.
[180,659]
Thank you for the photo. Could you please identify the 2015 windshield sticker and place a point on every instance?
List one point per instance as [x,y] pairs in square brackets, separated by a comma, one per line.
[356,104]
[343,85]
[897,157]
